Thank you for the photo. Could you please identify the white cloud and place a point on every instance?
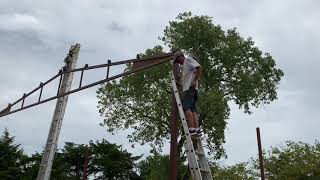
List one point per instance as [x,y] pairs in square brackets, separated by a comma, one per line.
[18,22]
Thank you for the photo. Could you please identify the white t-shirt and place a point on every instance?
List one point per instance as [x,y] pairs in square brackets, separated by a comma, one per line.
[188,72]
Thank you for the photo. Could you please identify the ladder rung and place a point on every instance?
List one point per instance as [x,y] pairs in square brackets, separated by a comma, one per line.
[204,170]
[196,136]
[199,153]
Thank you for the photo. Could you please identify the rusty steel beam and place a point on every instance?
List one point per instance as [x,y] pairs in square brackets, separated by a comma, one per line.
[6,110]
[164,55]
[34,90]
[156,57]
[160,61]
[174,133]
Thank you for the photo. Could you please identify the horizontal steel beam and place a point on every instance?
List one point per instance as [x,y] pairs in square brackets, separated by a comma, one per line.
[164,55]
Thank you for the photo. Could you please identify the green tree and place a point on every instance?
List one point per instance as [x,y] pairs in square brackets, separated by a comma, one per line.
[234,71]
[296,160]
[31,166]
[155,167]
[234,172]
[73,156]
[68,163]
[110,161]
[11,157]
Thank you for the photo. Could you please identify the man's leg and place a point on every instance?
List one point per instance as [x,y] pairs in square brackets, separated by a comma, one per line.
[189,116]
[187,104]
[194,112]
[195,120]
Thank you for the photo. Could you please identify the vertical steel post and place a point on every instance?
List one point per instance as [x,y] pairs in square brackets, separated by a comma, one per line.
[108,69]
[53,136]
[41,85]
[81,76]
[260,154]
[85,166]
[174,133]
[24,97]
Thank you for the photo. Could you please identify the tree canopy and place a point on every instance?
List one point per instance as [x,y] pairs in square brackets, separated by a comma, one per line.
[294,160]
[11,157]
[155,167]
[106,161]
[235,70]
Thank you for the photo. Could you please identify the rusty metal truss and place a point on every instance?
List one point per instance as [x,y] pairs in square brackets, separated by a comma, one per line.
[137,65]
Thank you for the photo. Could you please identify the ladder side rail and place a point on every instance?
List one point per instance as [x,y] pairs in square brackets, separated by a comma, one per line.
[193,165]
[204,162]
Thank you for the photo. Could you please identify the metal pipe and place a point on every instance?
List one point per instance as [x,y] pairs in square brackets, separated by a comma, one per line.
[260,154]
[23,98]
[85,166]
[86,65]
[41,88]
[174,132]
[108,69]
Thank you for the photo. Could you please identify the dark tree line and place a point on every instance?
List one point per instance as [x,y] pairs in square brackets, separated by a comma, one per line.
[106,161]
[294,160]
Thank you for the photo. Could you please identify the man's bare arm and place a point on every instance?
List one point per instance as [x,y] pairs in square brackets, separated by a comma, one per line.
[198,73]
[196,76]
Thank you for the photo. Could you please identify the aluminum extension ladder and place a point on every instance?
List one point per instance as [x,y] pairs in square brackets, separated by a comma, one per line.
[197,160]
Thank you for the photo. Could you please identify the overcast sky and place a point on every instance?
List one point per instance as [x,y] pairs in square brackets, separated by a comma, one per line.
[35,36]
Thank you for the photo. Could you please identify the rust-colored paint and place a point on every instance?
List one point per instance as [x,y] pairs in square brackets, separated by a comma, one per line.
[260,154]
[174,134]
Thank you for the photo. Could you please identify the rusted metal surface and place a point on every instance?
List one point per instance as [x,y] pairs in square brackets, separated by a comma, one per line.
[23,99]
[260,154]
[164,55]
[108,69]
[6,111]
[85,166]
[34,90]
[81,77]
[162,59]
[41,88]
[174,135]
[140,64]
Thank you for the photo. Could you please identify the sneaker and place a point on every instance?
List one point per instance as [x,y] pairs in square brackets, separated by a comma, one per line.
[192,131]
[198,130]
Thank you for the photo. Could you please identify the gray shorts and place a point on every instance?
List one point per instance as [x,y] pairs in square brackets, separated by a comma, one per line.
[189,99]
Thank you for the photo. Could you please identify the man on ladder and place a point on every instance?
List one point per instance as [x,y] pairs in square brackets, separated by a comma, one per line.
[190,76]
